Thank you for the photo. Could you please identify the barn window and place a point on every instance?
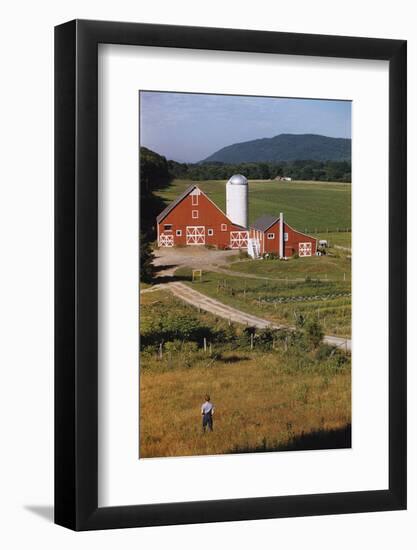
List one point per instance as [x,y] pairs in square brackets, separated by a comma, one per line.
[194,199]
[194,214]
[271,236]
[285,237]
[178,232]
[168,227]
[224,227]
[210,232]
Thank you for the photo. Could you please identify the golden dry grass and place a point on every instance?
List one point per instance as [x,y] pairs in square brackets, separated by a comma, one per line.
[260,405]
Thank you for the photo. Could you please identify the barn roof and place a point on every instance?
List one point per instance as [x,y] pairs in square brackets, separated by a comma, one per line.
[182,196]
[174,203]
[264,222]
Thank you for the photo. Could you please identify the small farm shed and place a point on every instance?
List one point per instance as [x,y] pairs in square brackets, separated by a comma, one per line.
[275,236]
[194,219]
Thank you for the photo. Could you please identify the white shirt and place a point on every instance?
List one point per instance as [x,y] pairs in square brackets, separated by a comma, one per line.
[207,407]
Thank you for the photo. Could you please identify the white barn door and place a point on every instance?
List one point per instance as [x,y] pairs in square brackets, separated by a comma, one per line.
[195,234]
[166,239]
[304,249]
[238,239]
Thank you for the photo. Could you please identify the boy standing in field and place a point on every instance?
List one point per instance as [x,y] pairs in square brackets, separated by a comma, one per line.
[207,411]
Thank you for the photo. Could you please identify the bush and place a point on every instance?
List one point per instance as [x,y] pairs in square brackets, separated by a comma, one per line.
[265,338]
[299,320]
[314,333]
[174,327]
[146,259]
[270,256]
[324,351]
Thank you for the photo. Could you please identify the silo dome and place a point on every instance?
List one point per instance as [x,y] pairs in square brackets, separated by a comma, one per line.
[238,179]
[237,200]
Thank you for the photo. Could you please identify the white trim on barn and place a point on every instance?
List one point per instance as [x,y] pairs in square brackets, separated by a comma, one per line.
[195,193]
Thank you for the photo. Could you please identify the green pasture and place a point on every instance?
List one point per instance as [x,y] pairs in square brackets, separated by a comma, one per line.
[312,207]
[335,267]
[336,238]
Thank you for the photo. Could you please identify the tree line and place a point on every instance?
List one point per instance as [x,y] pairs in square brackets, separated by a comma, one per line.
[157,172]
[311,170]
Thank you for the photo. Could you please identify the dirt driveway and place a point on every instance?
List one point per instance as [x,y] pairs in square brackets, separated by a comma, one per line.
[167,260]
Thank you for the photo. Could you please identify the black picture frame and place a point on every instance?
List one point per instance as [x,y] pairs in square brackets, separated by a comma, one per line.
[76,272]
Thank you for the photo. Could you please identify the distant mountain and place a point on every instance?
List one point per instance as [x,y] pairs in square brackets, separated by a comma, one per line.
[285,147]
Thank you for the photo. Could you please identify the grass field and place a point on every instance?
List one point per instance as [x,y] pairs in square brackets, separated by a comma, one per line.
[342,238]
[310,207]
[266,398]
[336,267]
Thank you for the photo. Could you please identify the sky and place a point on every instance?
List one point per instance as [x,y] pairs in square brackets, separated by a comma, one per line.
[189,127]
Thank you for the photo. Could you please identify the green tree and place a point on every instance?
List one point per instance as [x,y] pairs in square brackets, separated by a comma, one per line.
[146,260]
[314,333]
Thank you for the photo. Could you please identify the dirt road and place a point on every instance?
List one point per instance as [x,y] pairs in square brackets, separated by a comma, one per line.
[168,260]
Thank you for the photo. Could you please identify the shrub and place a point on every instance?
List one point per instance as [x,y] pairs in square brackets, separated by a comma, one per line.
[324,352]
[300,320]
[146,259]
[265,338]
[314,333]
[174,327]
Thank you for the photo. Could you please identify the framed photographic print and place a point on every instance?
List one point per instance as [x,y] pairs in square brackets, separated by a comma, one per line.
[230,275]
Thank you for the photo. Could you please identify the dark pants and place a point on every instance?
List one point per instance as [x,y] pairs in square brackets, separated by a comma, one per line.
[207,421]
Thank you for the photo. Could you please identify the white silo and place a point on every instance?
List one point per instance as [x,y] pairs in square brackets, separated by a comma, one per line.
[237,200]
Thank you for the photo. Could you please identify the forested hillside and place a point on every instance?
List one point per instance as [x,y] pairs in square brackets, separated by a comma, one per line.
[285,147]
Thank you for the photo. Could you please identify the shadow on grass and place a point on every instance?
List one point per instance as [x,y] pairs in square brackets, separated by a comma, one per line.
[340,438]
[234,358]
[163,267]
[163,279]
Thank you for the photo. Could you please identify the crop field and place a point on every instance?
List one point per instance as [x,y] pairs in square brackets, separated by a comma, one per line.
[310,207]
[283,393]
[328,302]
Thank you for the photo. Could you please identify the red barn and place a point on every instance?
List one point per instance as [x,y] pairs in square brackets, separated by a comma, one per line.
[275,236]
[193,219]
